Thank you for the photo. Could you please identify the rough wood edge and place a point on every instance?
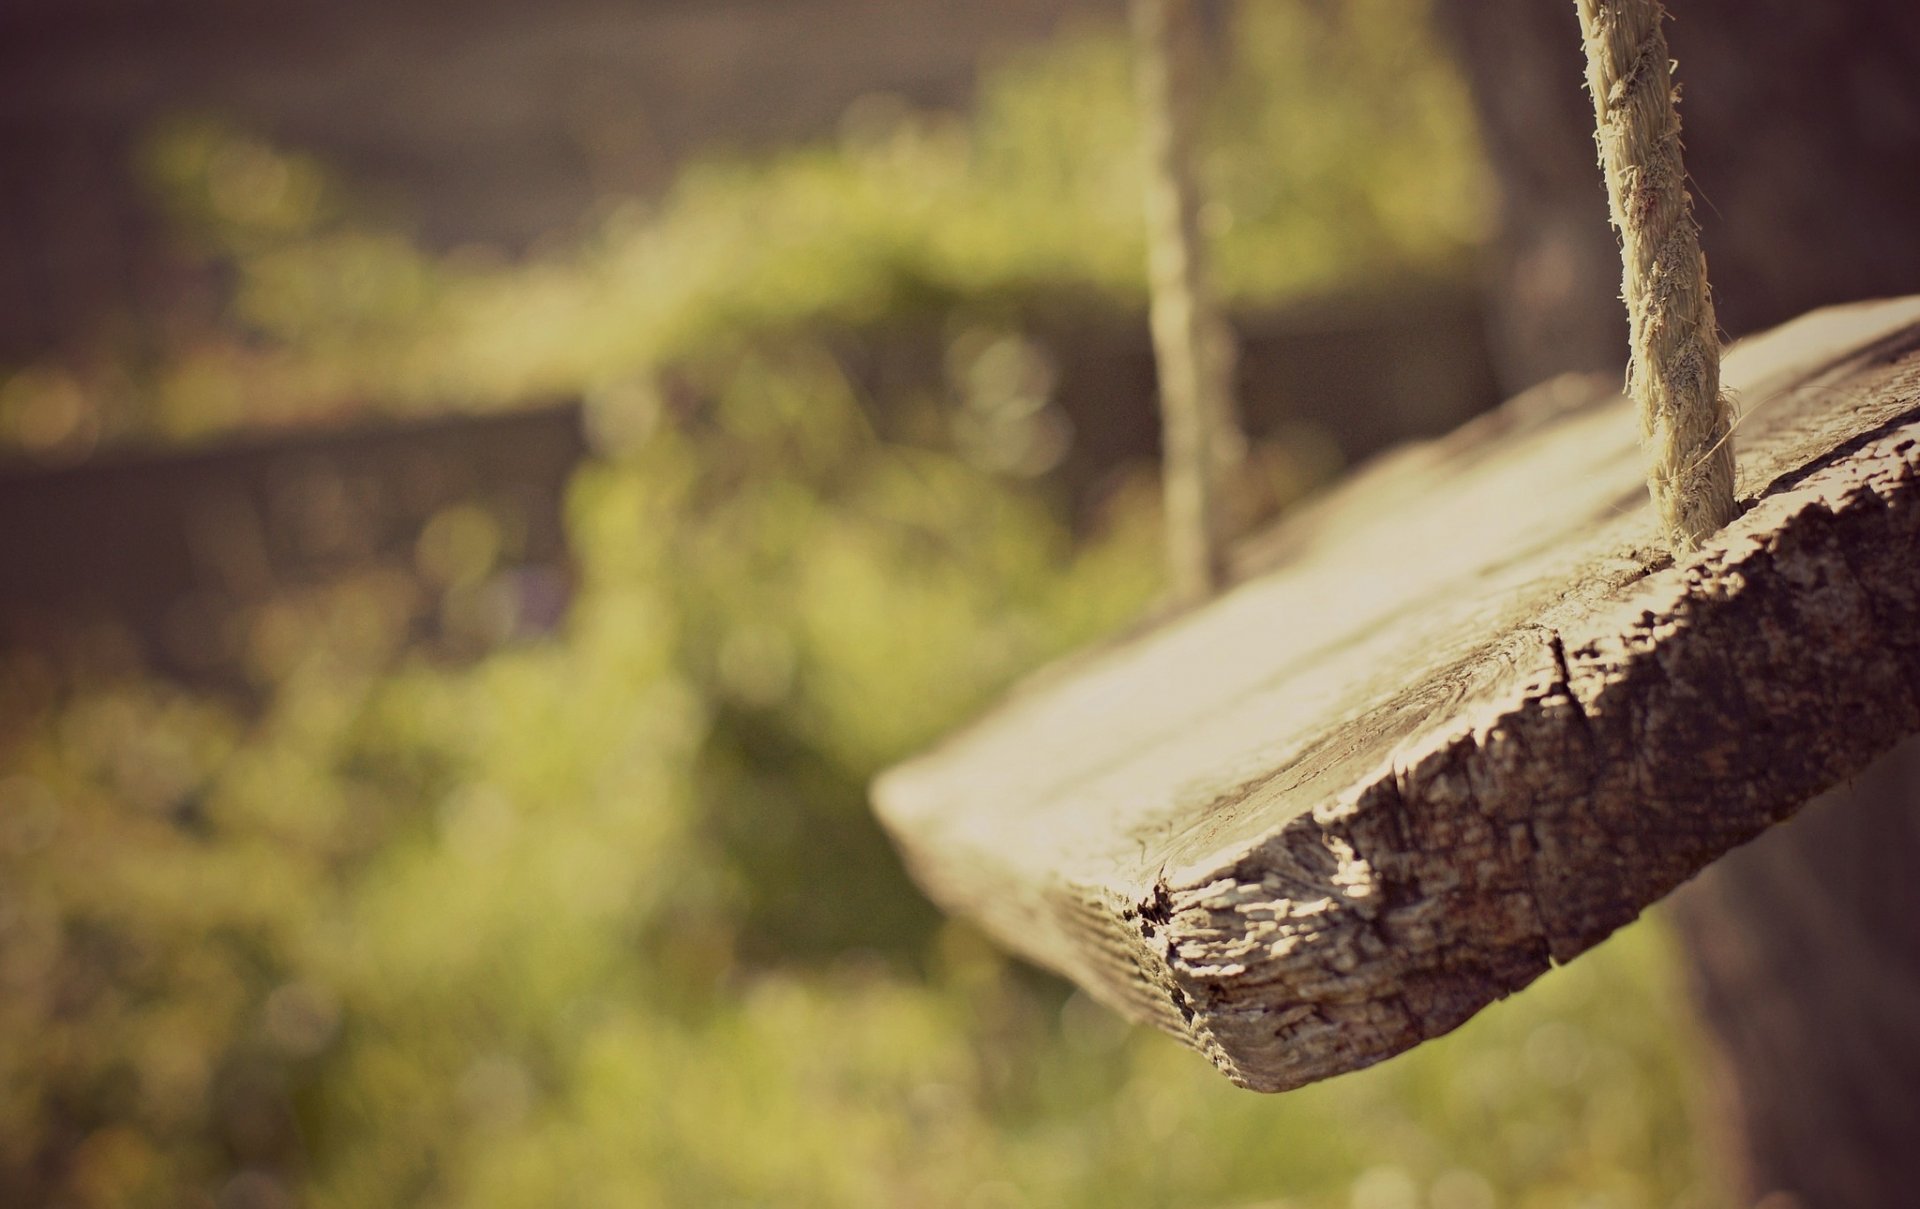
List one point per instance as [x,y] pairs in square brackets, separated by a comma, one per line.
[1462,870]
[1393,914]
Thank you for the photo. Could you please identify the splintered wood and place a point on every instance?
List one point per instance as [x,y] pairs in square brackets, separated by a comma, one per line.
[1457,721]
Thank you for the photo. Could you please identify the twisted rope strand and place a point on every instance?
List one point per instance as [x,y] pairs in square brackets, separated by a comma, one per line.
[1200,429]
[1673,374]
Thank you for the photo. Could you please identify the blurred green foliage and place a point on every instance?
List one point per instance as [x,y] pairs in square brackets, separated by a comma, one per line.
[603,919]
[1340,149]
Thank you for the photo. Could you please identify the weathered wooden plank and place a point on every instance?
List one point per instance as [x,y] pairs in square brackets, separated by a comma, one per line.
[1458,721]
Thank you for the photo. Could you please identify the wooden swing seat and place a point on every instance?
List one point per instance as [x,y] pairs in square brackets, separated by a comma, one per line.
[1455,721]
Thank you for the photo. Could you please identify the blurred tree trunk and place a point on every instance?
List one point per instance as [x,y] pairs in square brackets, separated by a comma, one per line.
[1805,963]
[1803,128]
[1801,123]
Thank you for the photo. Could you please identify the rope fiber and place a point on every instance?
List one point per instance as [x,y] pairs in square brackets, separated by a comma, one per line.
[1673,374]
[1201,439]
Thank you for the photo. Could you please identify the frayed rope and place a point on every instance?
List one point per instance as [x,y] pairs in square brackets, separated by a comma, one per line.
[1673,373]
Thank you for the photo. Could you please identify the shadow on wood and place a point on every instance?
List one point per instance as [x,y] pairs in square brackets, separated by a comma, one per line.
[1457,722]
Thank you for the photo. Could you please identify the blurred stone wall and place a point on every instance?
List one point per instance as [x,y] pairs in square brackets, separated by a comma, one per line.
[446,535]
[472,121]
[455,526]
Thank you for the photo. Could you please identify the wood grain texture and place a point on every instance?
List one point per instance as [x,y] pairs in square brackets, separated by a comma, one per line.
[1457,722]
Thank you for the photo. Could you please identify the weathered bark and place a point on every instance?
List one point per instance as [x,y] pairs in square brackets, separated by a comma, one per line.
[1469,724]
[1803,126]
